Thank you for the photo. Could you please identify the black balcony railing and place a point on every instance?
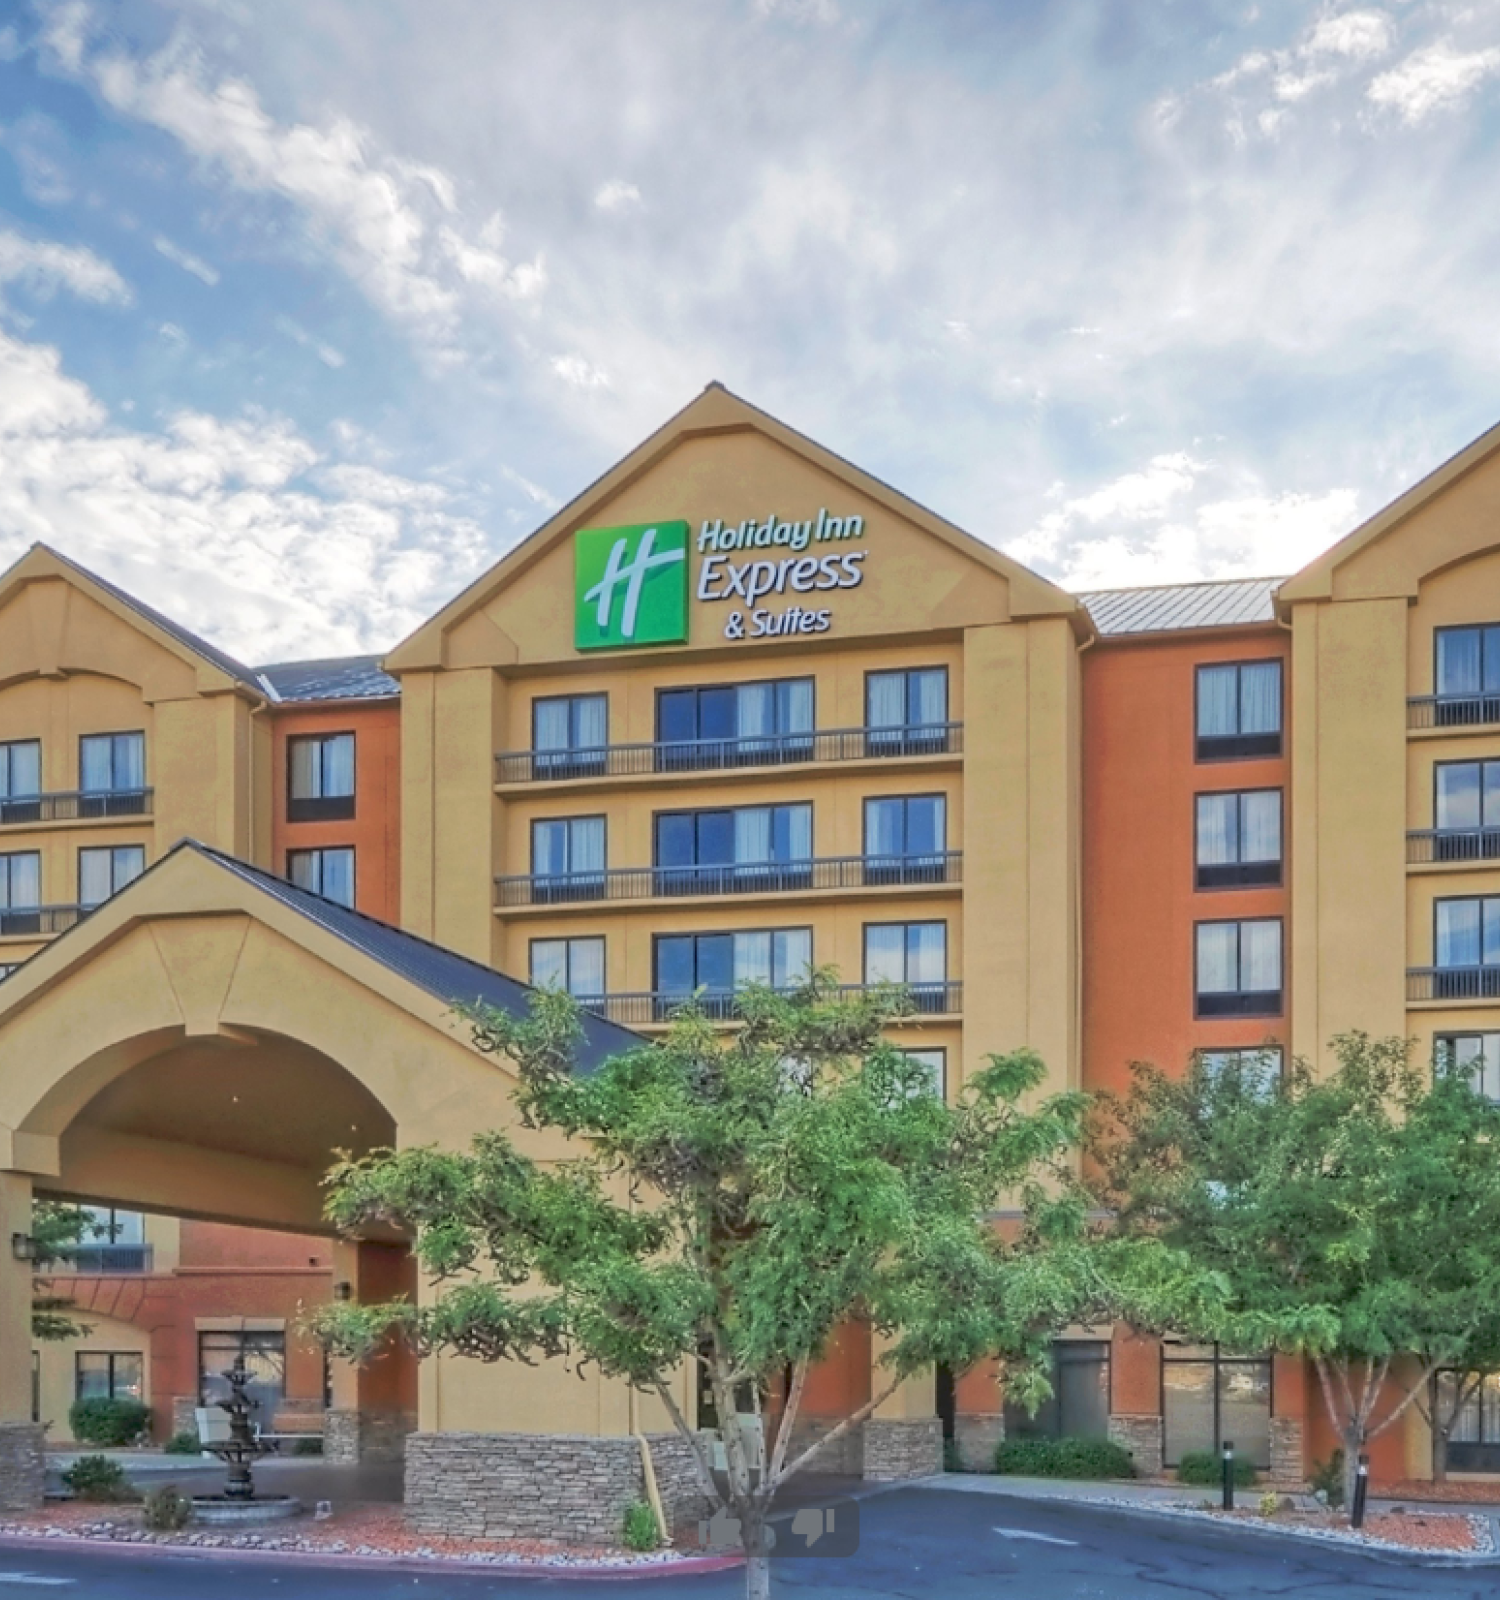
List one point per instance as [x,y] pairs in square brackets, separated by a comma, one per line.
[1453,983]
[704,755]
[754,877]
[1452,710]
[1238,875]
[19,810]
[1453,844]
[40,921]
[109,1258]
[1241,1003]
[638,1010]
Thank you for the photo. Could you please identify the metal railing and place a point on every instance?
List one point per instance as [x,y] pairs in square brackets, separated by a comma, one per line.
[38,920]
[754,877]
[18,810]
[1453,983]
[1452,710]
[636,1010]
[103,1259]
[1453,844]
[706,755]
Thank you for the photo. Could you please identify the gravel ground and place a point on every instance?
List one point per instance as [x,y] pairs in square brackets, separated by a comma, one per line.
[1469,1492]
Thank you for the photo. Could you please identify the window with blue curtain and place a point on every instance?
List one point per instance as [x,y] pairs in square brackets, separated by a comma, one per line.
[743,846]
[1238,710]
[720,963]
[906,839]
[734,724]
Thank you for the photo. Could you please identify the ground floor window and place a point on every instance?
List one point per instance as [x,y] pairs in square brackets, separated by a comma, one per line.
[1477,1055]
[265,1357]
[1474,1443]
[1079,1407]
[109,1375]
[1209,1396]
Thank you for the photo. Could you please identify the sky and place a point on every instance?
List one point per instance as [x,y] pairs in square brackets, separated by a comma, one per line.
[309,311]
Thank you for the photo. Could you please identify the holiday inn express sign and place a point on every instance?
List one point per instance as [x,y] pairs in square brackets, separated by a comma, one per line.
[631,588]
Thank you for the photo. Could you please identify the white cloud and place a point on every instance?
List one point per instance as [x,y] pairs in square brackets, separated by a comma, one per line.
[326,353]
[43,267]
[1359,35]
[804,11]
[185,259]
[1438,78]
[580,372]
[617,195]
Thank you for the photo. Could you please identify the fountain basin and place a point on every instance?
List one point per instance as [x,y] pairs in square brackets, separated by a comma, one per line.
[219,1511]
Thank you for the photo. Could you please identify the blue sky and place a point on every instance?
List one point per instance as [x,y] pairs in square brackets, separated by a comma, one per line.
[308,312]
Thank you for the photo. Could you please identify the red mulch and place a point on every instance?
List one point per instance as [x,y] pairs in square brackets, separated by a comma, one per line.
[1475,1492]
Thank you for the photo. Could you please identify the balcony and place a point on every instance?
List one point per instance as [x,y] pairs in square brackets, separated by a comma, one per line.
[104,1260]
[77,805]
[756,877]
[38,922]
[1452,711]
[1452,983]
[659,1007]
[717,755]
[1429,845]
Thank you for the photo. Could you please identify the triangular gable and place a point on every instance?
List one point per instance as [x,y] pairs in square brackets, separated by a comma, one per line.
[717,411]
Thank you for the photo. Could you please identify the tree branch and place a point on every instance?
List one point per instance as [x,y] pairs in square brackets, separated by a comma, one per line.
[700,1461]
[1416,1389]
[788,1419]
[853,1420]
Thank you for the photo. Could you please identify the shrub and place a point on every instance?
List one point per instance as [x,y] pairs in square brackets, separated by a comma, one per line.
[640,1530]
[164,1510]
[952,1460]
[312,1445]
[97,1478]
[182,1444]
[1327,1478]
[1270,1503]
[109,1424]
[1064,1458]
[1204,1469]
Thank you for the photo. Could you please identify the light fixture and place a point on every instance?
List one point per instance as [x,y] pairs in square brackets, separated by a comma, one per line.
[343,1291]
[23,1247]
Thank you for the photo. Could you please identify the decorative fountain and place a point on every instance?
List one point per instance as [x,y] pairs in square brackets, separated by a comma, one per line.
[239,1502]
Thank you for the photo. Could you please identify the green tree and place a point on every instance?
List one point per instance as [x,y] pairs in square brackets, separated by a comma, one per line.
[736,1196]
[56,1229]
[1353,1218]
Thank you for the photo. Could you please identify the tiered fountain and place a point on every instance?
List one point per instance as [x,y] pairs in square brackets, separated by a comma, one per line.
[239,1504]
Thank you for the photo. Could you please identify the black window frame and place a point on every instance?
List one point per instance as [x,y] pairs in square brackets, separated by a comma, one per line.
[1241,874]
[111,1356]
[112,850]
[572,760]
[114,801]
[1218,1361]
[322,808]
[1239,1002]
[23,808]
[1240,746]
[1048,1421]
[1456,844]
[717,877]
[22,920]
[1451,1036]
[939,1050]
[751,750]
[1457,983]
[921,866]
[927,997]
[569,940]
[247,1341]
[715,1001]
[908,738]
[551,887]
[321,850]
[1463,708]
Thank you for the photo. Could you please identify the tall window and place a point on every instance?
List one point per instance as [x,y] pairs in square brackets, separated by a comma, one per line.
[569,735]
[1239,710]
[1474,1442]
[1466,948]
[1208,1396]
[1239,968]
[109,1375]
[906,839]
[1259,1066]
[935,1064]
[115,1242]
[1239,839]
[912,953]
[329,873]
[265,1356]
[567,858]
[734,724]
[1078,1407]
[1467,674]
[714,852]
[21,891]
[1466,802]
[20,780]
[1475,1055]
[906,712]
[320,777]
[104,871]
[112,774]
[720,963]
[575,966]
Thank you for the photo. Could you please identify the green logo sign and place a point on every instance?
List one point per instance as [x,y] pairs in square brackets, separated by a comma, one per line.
[630,585]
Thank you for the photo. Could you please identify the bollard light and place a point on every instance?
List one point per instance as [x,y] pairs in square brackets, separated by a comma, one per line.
[1361,1489]
[1229,1474]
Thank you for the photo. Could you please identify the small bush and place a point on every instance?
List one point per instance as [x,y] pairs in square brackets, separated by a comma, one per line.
[1327,1477]
[312,1445]
[1270,1503]
[640,1530]
[1064,1458]
[164,1510]
[182,1444]
[110,1424]
[97,1478]
[1204,1469]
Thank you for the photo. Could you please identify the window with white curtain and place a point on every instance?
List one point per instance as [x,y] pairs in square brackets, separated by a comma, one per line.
[569,735]
[1239,968]
[720,963]
[906,711]
[20,781]
[569,851]
[20,880]
[1466,810]
[328,873]
[1238,838]
[911,953]
[1239,710]
[717,851]
[112,774]
[320,777]
[104,871]
[574,965]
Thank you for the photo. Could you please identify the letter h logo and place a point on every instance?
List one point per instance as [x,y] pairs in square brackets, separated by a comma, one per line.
[630,585]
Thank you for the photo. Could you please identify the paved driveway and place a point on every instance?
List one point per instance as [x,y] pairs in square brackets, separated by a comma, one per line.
[916,1544]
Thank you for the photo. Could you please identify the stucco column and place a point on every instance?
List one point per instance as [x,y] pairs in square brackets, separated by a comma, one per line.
[904,1437]
[20,1437]
[374,1405]
[978,1416]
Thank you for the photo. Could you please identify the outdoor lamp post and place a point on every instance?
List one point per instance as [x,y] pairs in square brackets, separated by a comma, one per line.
[1229,1474]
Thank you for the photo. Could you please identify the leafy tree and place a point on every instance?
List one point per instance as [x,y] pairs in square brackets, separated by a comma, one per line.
[1354,1219]
[56,1229]
[737,1196]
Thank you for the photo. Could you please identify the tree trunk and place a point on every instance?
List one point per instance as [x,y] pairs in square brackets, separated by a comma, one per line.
[757,1577]
[1440,1454]
[1354,1443]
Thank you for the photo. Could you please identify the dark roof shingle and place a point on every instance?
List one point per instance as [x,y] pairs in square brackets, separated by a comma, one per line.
[334,678]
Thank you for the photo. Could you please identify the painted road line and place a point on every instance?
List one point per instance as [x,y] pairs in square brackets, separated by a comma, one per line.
[1039,1538]
[35,1580]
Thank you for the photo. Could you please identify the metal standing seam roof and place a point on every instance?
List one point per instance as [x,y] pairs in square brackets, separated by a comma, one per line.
[1171,608]
[332,678]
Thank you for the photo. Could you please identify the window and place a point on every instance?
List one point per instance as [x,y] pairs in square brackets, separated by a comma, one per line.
[720,963]
[936,1064]
[1263,1062]
[1239,710]
[329,873]
[320,777]
[911,953]
[1239,968]
[106,870]
[567,858]
[737,724]
[109,1375]
[1467,675]
[21,781]
[569,735]
[264,1351]
[906,839]
[1208,1396]
[1079,1406]
[1466,807]
[1466,945]
[112,775]
[115,1242]
[6,968]
[21,892]
[718,852]
[1239,839]
[906,712]
[1474,1443]
[575,966]
[1475,1055]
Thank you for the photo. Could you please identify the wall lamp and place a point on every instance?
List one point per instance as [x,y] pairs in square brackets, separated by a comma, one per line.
[343,1291]
[23,1247]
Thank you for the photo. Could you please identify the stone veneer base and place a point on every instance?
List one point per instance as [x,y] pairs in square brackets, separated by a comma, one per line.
[1288,1462]
[351,1436]
[1141,1436]
[976,1438]
[910,1448]
[22,1469]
